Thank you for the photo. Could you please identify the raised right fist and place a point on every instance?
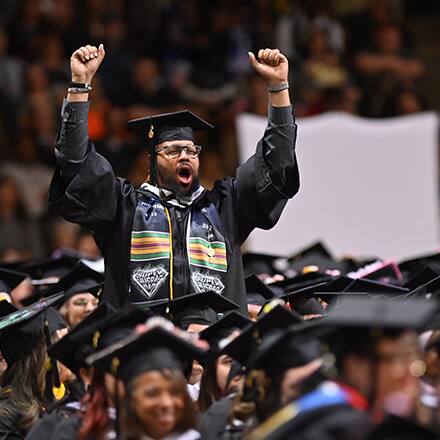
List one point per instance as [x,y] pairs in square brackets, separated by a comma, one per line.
[84,63]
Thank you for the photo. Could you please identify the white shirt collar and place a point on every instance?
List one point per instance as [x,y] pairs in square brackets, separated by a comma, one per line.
[178,201]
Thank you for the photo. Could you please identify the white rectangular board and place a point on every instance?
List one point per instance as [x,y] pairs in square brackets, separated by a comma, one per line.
[368,187]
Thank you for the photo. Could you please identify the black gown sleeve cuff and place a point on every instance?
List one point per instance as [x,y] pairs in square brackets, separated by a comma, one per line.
[280,115]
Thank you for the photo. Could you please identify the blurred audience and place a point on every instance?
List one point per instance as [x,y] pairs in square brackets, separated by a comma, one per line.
[168,55]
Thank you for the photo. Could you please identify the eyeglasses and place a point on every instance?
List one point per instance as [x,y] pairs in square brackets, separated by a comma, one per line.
[175,150]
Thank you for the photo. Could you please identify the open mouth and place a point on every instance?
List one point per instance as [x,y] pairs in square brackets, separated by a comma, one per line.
[184,175]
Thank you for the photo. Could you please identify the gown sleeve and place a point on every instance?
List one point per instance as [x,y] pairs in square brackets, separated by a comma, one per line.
[270,177]
[84,189]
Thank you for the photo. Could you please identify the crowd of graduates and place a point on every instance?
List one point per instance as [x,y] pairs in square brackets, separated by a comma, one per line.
[330,349]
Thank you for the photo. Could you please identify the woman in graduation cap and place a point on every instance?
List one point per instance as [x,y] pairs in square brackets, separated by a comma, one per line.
[151,364]
[171,236]
[216,382]
[30,384]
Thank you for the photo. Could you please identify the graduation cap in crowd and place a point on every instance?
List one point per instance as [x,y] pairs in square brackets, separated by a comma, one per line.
[10,279]
[154,349]
[176,126]
[381,313]
[398,428]
[21,328]
[224,327]
[301,281]
[386,273]
[421,277]
[264,264]
[242,347]
[304,301]
[282,349]
[374,287]
[197,308]
[315,258]
[48,270]
[80,279]
[106,331]
[73,348]
[258,292]
[308,301]
[412,266]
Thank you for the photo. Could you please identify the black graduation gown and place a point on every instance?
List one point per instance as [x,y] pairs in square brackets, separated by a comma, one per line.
[84,190]
[213,421]
[46,426]
[337,422]
[8,425]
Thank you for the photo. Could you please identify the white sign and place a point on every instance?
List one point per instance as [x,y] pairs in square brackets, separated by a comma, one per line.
[368,187]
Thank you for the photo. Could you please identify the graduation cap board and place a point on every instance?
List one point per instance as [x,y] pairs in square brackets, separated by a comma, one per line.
[10,279]
[73,348]
[80,279]
[197,308]
[258,263]
[20,328]
[258,292]
[106,331]
[380,313]
[46,271]
[224,327]
[282,349]
[242,347]
[176,126]
[154,349]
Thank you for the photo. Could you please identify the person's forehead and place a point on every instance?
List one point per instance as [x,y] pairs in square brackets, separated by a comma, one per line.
[182,142]
[82,295]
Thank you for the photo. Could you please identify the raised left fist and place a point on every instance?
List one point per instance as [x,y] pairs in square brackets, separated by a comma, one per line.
[271,64]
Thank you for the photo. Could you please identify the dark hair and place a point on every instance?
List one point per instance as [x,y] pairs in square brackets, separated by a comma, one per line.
[131,424]
[95,420]
[210,392]
[23,384]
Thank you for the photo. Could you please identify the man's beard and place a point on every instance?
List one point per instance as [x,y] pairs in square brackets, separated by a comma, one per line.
[169,182]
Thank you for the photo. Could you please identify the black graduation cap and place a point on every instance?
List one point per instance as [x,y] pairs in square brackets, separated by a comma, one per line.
[374,287]
[154,349]
[388,273]
[73,348]
[283,349]
[48,270]
[421,277]
[224,327]
[79,280]
[303,301]
[316,257]
[380,313]
[10,279]
[398,428]
[104,332]
[301,281]
[258,292]
[258,263]
[196,308]
[21,328]
[243,346]
[176,126]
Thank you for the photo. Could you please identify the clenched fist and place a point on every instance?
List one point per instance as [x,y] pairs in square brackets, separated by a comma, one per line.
[272,65]
[84,63]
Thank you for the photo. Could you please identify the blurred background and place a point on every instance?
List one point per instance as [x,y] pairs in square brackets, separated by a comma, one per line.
[373,58]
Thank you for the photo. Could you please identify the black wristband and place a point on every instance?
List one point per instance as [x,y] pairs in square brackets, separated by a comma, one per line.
[79,85]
